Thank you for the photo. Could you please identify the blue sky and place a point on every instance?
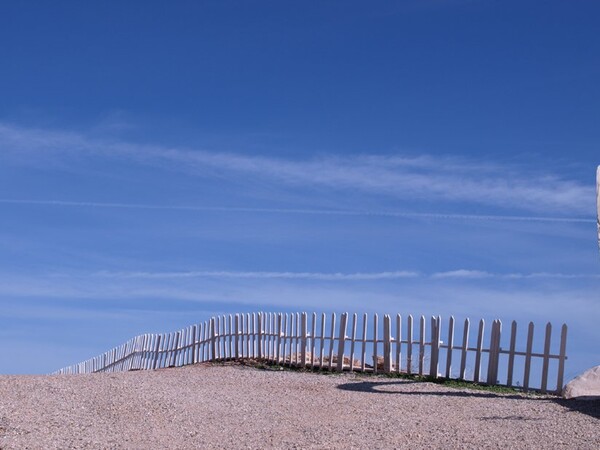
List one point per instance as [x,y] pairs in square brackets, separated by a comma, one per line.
[161,163]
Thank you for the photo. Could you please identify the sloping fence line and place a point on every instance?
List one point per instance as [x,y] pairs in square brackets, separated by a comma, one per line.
[290,339]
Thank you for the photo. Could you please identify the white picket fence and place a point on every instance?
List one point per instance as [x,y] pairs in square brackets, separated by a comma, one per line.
[293,339]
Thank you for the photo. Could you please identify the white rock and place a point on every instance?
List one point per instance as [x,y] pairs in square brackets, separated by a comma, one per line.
[585,386]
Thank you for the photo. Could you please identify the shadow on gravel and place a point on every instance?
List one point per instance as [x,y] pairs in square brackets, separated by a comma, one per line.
[379,387]
[590,408]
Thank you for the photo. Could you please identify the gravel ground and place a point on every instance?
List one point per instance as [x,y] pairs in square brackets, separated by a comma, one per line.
[233,406]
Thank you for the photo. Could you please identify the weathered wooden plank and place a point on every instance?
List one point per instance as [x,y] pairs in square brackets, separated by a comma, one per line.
[259,335]
[435,347]
[421,344]
[236,339]
[222,337]
[280,325]
[363,359]
[353,341]
[331,341]
[494,353]
[477,369]
[342,342]
[546,360]
[398,343]
[322,337]
[243,330]
[285,338]
[561,359]
[527,370]
[464,348]
[409,341]
[297,340]
[387,344]
[206,343]
[213,339]
[450,347]
[253,335]
[230,338]
[156,352]
[511,353]
[375,333]
[248,336]
[303,344]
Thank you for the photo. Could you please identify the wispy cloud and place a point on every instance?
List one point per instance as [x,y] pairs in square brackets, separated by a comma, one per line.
[305,211]
[463,273]
[319,276]
[340,276]
[424,177]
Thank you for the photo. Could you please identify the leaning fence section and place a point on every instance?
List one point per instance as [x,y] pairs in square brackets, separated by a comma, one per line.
[515,357]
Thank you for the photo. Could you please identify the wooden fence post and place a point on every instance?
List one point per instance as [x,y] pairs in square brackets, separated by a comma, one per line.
[322,348]
[278,343]
[561,359]
[546,360]
[194,344]
[421,345]
[450,347]
[375,333]
[387,344]
[398,343]
[213,340]
[435,347]
[363,359]
[156,352]
[352,343]
[331,342]
[527,369]
[465,348]
[494,353]
[237,336]
[478,351]
[511,353]
[260,336]
[303,342]
[409,339]
[342,342]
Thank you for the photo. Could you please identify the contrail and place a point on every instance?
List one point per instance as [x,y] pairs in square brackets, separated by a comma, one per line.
[340,212]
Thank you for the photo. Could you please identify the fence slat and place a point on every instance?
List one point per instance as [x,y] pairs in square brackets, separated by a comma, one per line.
[322,349]
[465,347]
[342,342]
[478,351]
[527,369]
[546,358]
[297,340]
[398,343]
[409,340]
[303,343]
[313,339]
[279,332]
[375,333]
[435,347]
[353,341]
[363,361]
[387,344]
[421,345]
[450,347]
[511,353]
[561,359]
[331,342]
